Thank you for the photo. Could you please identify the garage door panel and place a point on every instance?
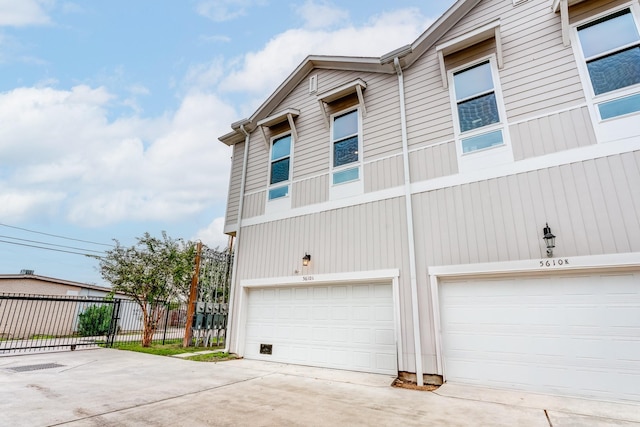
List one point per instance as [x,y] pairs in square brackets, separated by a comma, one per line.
[342,326]
[569,335]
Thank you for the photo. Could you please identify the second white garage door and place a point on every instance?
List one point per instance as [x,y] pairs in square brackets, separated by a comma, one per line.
[346,326]
[574,335]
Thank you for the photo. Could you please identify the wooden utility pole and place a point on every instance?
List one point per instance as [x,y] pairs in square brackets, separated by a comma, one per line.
[193,295]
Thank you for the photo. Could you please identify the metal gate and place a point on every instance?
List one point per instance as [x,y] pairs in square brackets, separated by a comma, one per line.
[209,321]
[40,323]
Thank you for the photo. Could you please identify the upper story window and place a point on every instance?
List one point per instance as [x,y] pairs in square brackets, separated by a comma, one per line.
[346,147]
[477,110]
[280,167]
[611,50]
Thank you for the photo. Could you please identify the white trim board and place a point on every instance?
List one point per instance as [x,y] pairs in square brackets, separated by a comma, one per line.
[321,279]
[560,158]
[628,259]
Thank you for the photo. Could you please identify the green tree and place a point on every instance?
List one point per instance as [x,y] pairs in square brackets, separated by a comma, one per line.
[95,320]
[153,270]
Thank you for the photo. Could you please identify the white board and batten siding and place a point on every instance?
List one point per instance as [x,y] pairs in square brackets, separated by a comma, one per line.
[339,326]
[575,334]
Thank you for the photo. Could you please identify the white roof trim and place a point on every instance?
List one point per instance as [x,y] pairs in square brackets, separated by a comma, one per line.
[356,86]
[480,34]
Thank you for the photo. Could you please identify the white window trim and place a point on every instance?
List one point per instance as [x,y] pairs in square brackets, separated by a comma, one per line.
[486,157]
[614,128]
[280,203]
[349,188]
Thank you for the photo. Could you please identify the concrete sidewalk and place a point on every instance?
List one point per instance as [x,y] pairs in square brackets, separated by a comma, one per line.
[107,387]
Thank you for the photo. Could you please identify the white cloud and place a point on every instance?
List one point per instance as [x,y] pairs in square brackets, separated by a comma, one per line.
[19,205]
[260,72]
[321,14]
[225,10]
[58,147]
[212,235]
[18,13]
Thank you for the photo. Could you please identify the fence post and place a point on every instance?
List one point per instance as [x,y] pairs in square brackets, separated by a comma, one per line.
[193,294]
[166,321]
[113,326]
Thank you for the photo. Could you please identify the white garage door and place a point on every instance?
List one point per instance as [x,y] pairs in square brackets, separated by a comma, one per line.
[572,335]
[348,326]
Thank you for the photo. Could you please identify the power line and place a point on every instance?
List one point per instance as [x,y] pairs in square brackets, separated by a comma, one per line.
[52,244]
[49,249]
[55,235]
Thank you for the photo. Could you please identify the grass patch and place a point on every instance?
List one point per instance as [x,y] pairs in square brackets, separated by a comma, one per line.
[168,349]
[212,357]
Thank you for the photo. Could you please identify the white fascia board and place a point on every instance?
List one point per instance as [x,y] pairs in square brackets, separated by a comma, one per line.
[480,34]
[282,116]
[341,91]
[279,117]
[470,38]
[579,263]
[322,279]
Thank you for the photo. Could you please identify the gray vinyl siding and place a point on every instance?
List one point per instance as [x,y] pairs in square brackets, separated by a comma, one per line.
[433,162]
[254,204]
[235,181]
[384,173]
[552,133]
[310,191]
[593,207]
[428,106]
[257,163]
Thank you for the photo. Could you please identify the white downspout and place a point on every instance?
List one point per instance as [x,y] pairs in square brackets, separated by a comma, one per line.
[415,308]
[235,282]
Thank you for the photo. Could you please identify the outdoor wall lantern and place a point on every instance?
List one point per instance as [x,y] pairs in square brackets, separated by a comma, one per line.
[306,259]
[549,240]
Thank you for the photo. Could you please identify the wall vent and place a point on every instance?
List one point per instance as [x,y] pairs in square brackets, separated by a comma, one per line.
[266,348]
[313,83]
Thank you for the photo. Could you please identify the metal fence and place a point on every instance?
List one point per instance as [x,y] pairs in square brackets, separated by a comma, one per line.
[39,323]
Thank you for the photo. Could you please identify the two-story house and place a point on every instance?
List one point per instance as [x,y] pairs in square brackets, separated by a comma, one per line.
[465,208]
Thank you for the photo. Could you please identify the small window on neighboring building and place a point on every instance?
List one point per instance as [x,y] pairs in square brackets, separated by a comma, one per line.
[611,49]
[280,167]
[345,147]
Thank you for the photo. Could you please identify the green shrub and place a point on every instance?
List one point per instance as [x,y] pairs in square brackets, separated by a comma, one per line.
[95,320]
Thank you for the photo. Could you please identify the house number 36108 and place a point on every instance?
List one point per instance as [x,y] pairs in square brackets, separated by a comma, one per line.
[554,262]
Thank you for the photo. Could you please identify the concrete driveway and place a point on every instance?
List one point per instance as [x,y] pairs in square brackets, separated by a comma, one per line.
[107,387]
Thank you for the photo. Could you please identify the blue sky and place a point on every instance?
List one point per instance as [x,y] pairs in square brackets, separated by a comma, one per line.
[110,110]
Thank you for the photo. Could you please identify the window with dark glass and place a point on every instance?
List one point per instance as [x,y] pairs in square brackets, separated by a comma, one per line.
[345,141]
[611,49]
[280,167]
[477,106]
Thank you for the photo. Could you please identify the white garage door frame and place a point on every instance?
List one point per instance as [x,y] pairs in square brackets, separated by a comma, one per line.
[547,266]
[390,276]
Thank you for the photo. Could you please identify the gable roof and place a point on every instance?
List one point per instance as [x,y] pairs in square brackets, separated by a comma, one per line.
[407,55]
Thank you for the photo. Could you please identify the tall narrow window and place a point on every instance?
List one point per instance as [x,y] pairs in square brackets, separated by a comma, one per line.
[345,142]
[611,49]
[280,168]
[477,107]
